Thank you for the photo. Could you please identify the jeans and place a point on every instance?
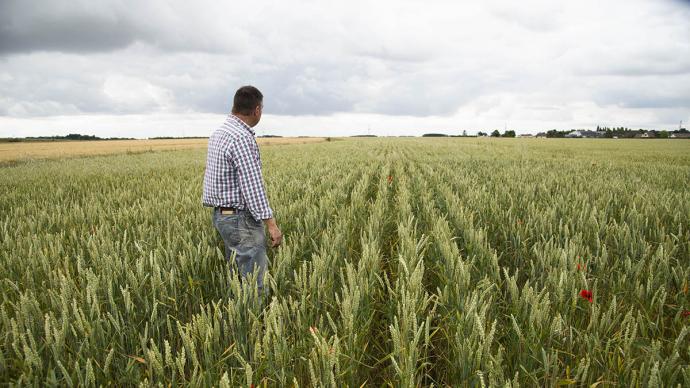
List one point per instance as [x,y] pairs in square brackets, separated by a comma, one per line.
[245,238]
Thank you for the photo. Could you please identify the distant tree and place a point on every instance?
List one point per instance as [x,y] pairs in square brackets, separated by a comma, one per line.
[509,133]
[73,136]
[77,136]
[556,133]
[480,133]
[663,134]
[495,133]
[464,133]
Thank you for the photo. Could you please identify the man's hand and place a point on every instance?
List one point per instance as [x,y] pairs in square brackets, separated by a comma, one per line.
[274,232]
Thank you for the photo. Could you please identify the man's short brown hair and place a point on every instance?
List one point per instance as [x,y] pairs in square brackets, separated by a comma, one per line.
[247,98]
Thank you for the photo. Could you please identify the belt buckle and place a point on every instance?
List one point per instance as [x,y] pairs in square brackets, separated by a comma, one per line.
[227,212]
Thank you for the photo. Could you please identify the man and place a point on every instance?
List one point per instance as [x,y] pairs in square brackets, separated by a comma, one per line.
[234,187]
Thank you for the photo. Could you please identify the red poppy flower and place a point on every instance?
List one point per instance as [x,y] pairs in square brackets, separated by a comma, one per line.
[586,294]
[390,179]
[685,314]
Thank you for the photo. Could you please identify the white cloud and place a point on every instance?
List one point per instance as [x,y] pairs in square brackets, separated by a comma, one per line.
[135,94]
[441,64]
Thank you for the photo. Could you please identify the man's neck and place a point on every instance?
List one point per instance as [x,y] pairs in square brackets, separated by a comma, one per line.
[245,119]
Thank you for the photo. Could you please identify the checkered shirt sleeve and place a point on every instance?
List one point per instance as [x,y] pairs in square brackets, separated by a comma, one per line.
[248,163]
[233,176]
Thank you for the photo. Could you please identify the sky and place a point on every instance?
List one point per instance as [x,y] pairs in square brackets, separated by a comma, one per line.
[142,69]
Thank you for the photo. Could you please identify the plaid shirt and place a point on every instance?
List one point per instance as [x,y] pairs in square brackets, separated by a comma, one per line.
[233,170]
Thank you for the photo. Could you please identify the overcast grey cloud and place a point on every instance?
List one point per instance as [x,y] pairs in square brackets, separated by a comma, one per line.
[83,26]
[343,66]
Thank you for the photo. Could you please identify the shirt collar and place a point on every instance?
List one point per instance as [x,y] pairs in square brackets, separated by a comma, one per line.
[241,123]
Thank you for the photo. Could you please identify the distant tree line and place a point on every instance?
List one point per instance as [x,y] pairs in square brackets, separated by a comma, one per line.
[71,136]
[174,137]
[496,133]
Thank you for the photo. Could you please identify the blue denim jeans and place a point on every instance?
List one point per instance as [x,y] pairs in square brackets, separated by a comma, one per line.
[245,238]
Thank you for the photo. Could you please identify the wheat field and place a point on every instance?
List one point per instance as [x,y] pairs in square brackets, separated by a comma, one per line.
[32,150]
[406,262]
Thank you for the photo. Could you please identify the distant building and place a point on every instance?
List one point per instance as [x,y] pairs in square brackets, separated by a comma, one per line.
[586,134]
[685,135]
[593,134]
[645,135]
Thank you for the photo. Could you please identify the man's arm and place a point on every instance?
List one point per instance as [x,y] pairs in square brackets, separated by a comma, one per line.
[251,180]
[252,188]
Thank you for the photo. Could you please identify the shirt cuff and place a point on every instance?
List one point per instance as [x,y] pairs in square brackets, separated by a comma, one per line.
[262,215]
